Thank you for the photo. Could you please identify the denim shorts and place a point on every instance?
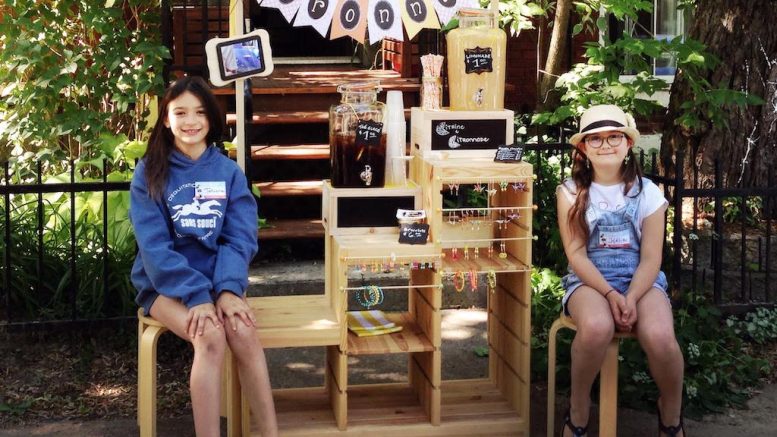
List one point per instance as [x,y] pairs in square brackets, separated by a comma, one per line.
[617,269]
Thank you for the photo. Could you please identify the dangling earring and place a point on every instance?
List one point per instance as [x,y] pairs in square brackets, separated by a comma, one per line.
[587,163]
[626,159]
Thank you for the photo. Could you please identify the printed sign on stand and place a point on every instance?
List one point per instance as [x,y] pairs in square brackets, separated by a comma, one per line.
[467,134]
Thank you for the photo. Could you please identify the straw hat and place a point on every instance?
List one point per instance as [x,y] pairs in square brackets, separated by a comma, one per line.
[602,118]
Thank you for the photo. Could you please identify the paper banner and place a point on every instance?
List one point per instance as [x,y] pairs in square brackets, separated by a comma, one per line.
[350,19]
[316,13]
[383,20]
[417,15]
[287,7]
[446,9]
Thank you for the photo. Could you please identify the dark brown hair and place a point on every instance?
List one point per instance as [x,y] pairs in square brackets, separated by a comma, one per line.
[161,142]
[583,175]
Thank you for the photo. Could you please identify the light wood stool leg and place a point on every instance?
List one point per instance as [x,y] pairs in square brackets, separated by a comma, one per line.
[552,376]
[608,391]
[234,396]
[147,379]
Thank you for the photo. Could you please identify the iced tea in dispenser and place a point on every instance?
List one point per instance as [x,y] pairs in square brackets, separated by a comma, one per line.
[357,138]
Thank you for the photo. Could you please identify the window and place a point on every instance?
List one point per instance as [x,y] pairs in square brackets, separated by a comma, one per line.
[665,23]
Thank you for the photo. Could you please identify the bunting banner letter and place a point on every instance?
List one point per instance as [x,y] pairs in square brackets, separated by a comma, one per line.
[350,19]
[316,13]
[288,8]
[417,15]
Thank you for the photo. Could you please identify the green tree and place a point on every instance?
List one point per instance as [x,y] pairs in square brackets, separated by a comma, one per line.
[74,70]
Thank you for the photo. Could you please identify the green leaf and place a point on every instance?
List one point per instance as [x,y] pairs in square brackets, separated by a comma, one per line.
[577,29]
[480,351]
[694,58]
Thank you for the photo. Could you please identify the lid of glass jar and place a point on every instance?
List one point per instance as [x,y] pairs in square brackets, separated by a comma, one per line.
[360,87]
[474,16]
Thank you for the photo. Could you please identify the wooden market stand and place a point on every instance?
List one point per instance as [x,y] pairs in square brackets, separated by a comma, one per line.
[426,405]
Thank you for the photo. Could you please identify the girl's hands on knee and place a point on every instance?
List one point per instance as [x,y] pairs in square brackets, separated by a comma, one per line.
[199,316]
[231,308]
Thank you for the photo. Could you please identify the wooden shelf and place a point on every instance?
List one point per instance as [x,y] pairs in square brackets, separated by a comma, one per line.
[481,264]
[305,320]
[410,339]
[469,407]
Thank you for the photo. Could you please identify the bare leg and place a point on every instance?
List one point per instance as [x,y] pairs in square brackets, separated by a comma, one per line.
[254,377]
[655,331]
[595,328]
[205,379]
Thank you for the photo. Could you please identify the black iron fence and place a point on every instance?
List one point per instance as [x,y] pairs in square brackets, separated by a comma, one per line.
[57,256]
[719,243]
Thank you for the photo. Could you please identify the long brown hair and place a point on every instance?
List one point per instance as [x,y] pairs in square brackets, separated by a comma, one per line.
[161,143]
[583,175]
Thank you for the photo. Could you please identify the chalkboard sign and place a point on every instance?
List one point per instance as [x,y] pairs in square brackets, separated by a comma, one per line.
[512,153]
[478,60]
[413,233]
[368,133]
[468,134]
[369,212]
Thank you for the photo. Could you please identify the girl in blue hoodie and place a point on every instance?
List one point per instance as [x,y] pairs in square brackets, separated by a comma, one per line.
[195,223]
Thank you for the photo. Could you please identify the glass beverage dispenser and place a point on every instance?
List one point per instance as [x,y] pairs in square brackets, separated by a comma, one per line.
[476,62]
[357,139]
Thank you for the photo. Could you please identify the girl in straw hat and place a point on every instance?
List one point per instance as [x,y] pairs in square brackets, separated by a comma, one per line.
[612,226]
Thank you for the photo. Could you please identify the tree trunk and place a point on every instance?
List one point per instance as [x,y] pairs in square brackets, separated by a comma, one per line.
[741,34]
[556,52]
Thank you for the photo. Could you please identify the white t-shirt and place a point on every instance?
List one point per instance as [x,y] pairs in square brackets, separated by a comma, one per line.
[611,198]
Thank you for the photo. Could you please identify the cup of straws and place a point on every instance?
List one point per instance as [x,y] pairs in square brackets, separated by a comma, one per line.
[431,81]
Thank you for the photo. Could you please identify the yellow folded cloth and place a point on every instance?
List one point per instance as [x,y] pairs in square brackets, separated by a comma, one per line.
[373,322]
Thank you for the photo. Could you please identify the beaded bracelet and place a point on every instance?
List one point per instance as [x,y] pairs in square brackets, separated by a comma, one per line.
[369,296]
[473,281]
[458,281]
[491,280]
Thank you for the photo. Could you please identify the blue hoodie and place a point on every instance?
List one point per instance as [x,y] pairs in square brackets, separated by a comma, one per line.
[199,239]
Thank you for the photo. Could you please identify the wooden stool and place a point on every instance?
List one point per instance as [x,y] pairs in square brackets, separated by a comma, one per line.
[608,379]
[149,331]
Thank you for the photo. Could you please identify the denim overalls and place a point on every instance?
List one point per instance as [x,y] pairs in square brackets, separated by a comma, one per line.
[613,244]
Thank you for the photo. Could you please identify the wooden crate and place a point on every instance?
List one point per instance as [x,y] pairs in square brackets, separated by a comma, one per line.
[361,211]
[457,133]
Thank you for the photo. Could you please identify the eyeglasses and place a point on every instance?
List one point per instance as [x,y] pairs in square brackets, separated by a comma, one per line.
[596,141]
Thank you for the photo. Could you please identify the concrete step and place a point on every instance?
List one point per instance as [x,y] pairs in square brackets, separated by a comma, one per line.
[307,277]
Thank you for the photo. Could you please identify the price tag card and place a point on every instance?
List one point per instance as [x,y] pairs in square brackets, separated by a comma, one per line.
[478,60]
[368,133]
[415,233]
[513,153]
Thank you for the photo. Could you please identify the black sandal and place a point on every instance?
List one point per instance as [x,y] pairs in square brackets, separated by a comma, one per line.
[577,431]
[671,431]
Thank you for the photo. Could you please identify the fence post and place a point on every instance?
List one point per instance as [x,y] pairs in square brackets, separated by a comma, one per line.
[7,237]
[677,236]
[768,209]
[717,237]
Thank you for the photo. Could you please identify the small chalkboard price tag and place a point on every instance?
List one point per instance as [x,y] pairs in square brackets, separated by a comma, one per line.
[478,60]
[413,233]
[368,133]
[513,153]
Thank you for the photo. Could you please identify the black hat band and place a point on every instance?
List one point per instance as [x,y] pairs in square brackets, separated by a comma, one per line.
[601,123]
